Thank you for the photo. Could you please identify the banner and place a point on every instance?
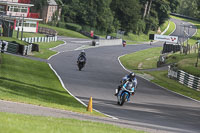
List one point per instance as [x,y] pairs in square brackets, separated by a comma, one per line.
[165,38]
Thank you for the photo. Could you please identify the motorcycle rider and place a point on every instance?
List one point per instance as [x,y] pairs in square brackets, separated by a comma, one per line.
[82,57]
[130,77]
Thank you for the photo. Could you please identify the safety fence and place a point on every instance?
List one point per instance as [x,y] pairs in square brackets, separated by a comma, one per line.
[170,48]
[40,39]
[184,78]
[17,48]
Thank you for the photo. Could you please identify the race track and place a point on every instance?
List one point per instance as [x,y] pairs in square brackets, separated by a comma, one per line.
[152,107]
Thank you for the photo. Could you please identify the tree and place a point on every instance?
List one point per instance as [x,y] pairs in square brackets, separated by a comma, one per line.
[92,13]
[128,13]
[145,9]
[198,8]
[38,4]
[189,8]
[163,9]
[173,5]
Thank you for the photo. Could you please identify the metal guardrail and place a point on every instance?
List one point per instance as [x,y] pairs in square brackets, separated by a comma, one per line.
[40,39]
[184,78]
[183,16]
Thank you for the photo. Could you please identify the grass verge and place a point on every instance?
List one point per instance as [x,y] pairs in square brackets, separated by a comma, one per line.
[29,81]
[36,124]
[65,32]
[185,62]
[27,34]
[144,59]
[44,51]
[9,39]
[161,79]
[172,27]
[164,26]
[135,39]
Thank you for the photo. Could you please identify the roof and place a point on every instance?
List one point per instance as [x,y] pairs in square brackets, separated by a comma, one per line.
[12,3]
[52,2]
[16,17]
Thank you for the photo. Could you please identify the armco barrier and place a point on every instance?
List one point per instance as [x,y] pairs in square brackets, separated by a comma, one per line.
[40,39]
[108,42]
[184,78]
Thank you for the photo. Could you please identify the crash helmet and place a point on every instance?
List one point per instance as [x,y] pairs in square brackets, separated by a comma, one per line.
[83,52]
[132,75]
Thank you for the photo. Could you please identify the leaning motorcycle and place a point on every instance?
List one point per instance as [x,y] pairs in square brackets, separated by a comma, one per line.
[125,92]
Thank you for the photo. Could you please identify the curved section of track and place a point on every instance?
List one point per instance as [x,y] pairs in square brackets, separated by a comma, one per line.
[152,107]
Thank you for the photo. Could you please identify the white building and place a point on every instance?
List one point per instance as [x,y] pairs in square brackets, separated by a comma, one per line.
[19,12]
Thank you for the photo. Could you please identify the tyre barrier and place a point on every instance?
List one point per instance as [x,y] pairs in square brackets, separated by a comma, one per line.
[15,48]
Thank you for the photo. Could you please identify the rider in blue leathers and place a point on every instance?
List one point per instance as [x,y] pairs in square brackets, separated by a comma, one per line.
[130,77]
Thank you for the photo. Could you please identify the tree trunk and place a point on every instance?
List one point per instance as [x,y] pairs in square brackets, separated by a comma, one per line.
[145,9]
[149,7]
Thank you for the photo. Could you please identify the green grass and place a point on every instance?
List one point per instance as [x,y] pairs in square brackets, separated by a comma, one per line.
[144,59]
[164,26]
[149,58]
[44,51]
[13,123]
[161,79]
[135,39]
[29,81]
[27,34]
[9,39]
[65,32]
[171,28]
[185,63]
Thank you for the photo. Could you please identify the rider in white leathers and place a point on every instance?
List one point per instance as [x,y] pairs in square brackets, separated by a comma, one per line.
[131,77]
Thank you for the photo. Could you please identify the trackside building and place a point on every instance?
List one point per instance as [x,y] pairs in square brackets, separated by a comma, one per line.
[18,11]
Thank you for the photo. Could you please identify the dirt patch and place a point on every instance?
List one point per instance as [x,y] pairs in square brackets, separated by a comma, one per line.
[140,65]
[152,58]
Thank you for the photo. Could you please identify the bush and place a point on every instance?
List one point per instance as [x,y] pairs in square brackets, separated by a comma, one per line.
[61,24]
[74,27]
[96,31]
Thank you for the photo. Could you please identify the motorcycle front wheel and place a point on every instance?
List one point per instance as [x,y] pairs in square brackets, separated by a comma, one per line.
[122,99]
[80,66]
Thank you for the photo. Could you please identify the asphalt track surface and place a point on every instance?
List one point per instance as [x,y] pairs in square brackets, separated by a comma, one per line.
[152,106]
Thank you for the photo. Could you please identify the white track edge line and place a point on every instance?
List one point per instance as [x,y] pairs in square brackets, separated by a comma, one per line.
[174,29]
[63,85]
[60,79]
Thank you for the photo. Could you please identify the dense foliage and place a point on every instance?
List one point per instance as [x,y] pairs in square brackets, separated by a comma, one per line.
[38,4]
[135,16]
[189,8]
